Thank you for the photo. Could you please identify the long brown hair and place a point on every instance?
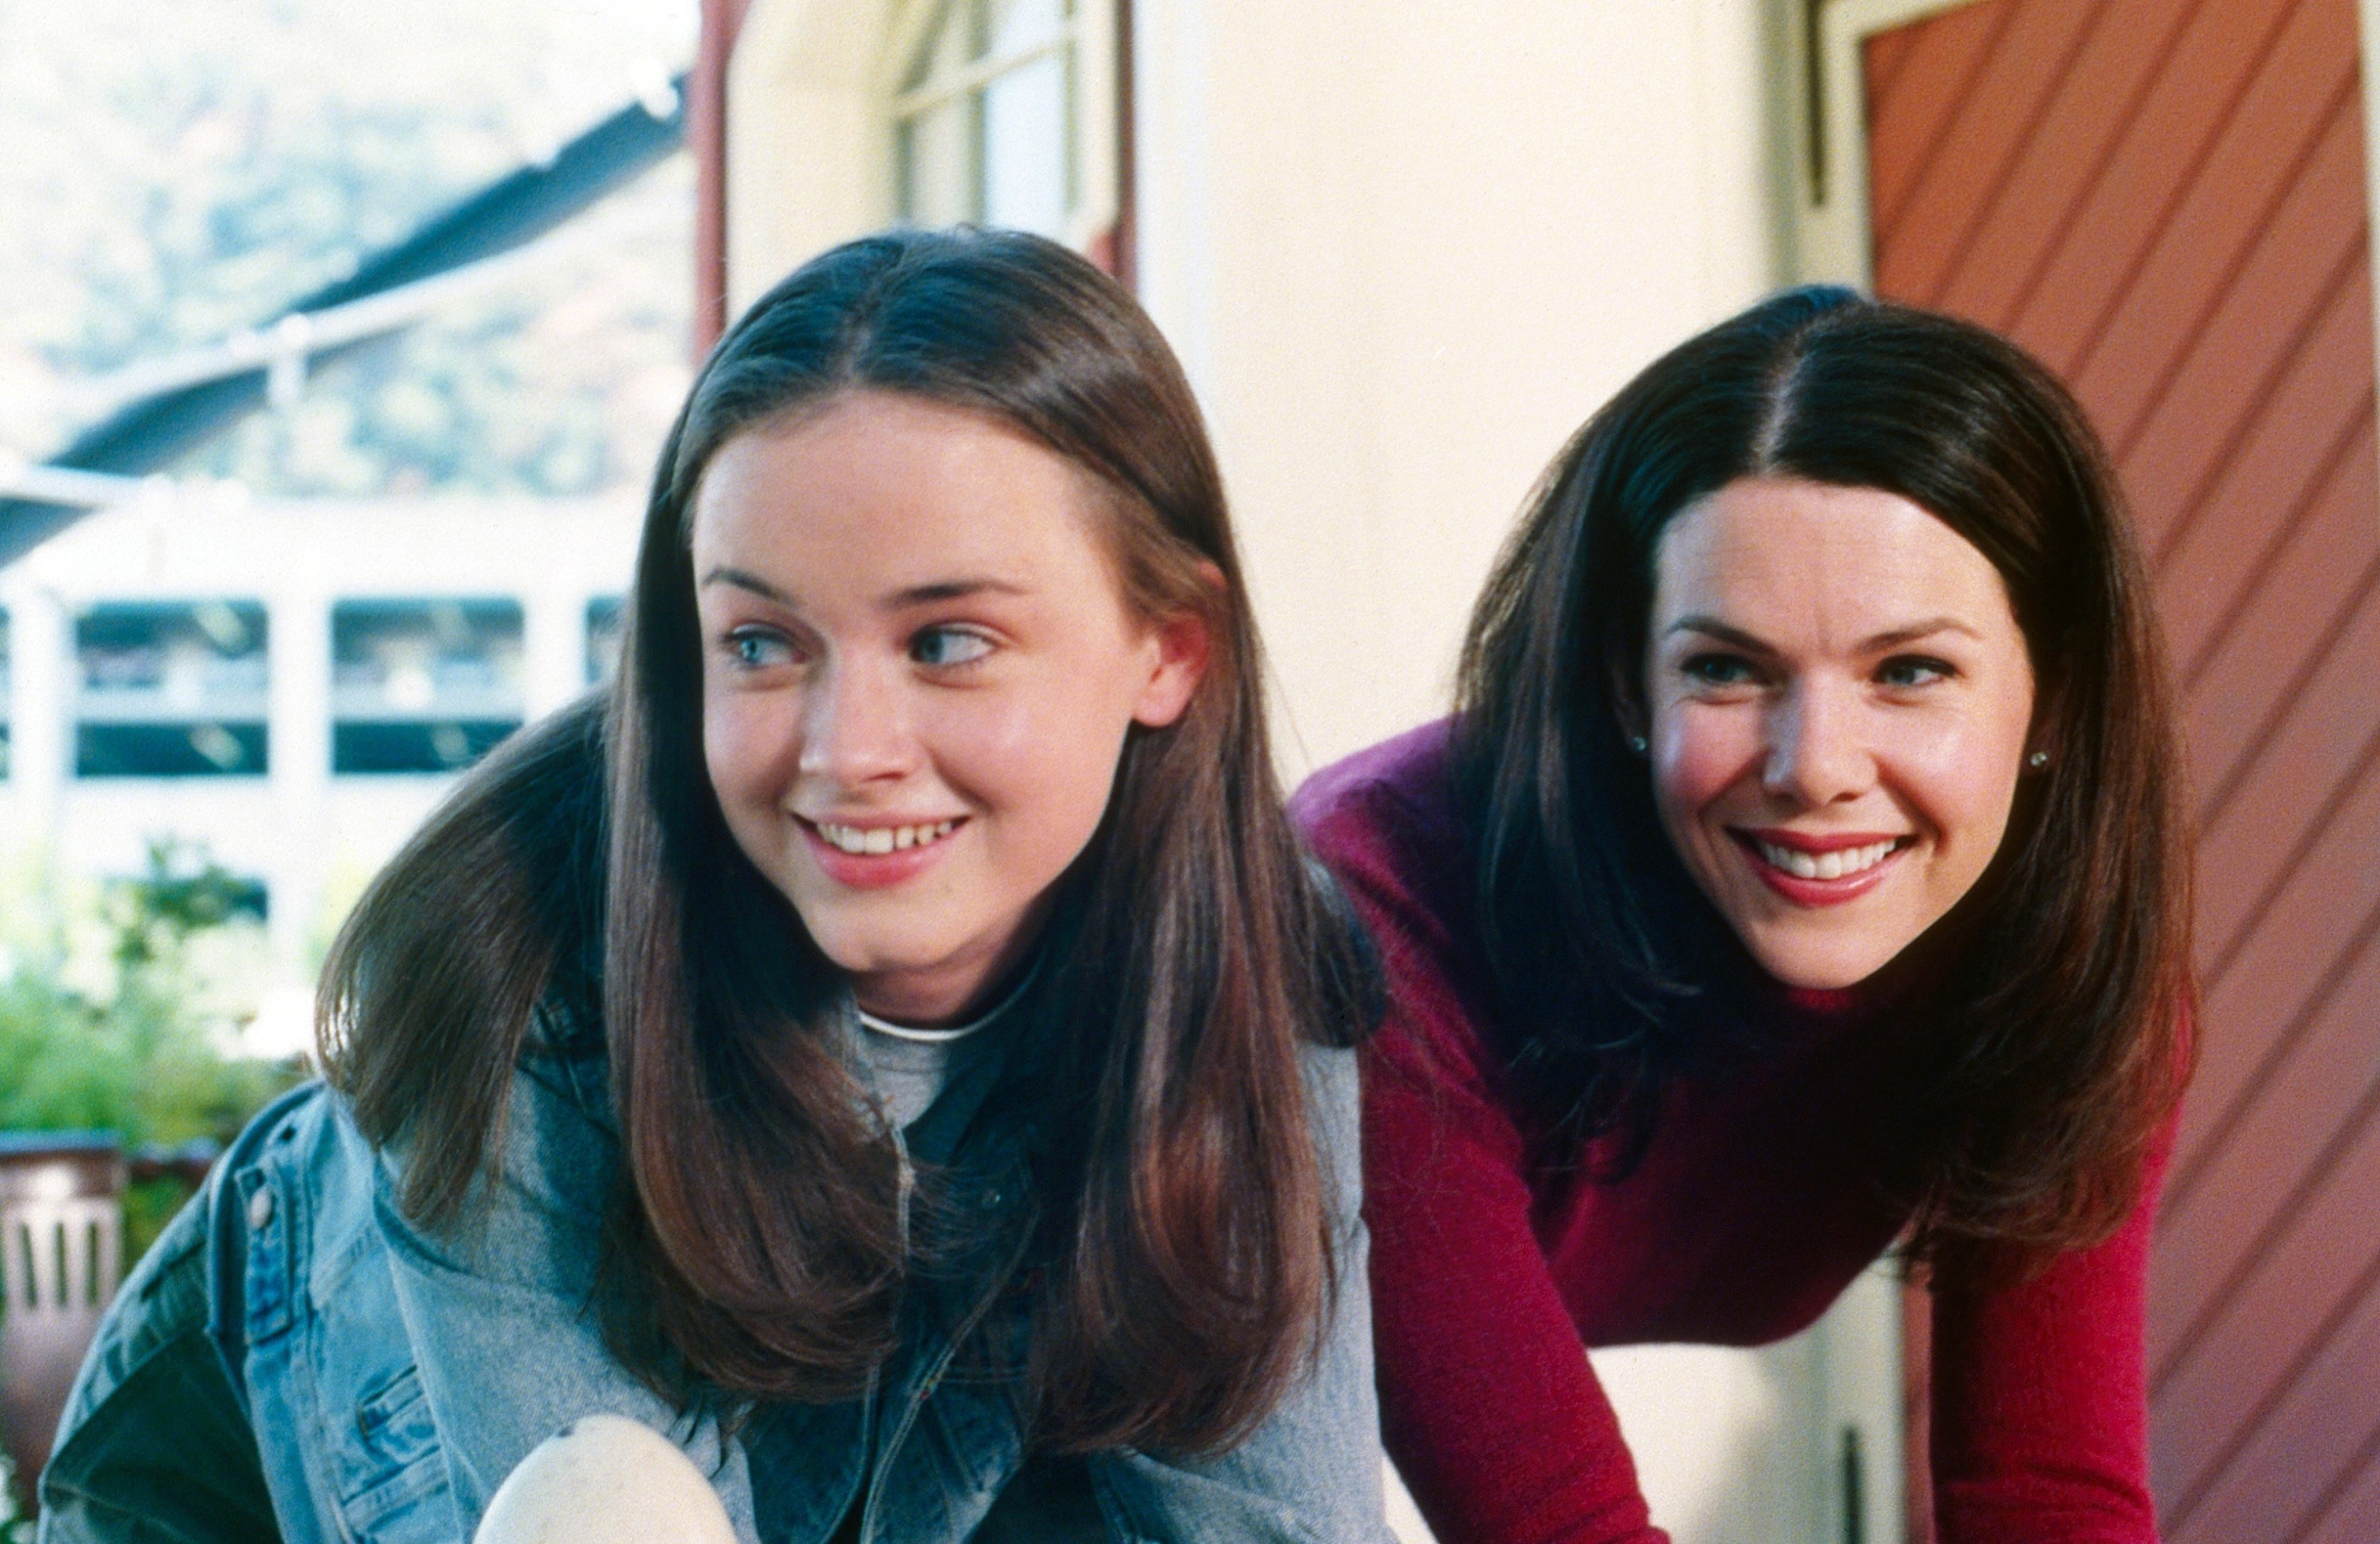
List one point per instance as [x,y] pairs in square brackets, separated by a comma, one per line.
[2058,1031]
[1190,1263]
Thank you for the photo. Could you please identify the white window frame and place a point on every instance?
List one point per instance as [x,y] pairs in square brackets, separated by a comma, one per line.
[1833,240]
[1088,32]
[811,144]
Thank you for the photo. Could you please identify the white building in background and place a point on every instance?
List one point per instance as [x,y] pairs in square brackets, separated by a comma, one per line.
[290,686]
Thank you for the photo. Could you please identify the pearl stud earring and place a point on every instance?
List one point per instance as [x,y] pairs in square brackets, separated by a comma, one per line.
[2037,760]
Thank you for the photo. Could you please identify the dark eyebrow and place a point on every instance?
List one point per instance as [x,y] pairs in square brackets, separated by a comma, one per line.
[952,590]
[742,580]
[1711,626]
[916,595]
[1916,630]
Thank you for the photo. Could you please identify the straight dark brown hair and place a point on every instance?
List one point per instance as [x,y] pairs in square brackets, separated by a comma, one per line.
[2057,1027]
[1189,1267]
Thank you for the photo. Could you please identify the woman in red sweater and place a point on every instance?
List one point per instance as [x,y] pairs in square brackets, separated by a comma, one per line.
[1799,878]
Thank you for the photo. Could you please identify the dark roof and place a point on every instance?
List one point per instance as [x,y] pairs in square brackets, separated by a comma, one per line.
[155,432]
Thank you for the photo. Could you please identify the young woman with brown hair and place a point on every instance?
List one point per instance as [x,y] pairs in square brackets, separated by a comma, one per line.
[1800,872]
[893,1045]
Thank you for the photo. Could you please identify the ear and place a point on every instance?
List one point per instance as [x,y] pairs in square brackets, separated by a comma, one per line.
[2045,736]
[1184,644]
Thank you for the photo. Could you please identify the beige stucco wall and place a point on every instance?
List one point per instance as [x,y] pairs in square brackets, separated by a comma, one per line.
[810,162]
[1405,249]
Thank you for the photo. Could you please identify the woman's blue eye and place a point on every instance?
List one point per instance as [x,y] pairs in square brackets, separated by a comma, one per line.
[754,649]
[948,646]
[1719,669]
[1913,670]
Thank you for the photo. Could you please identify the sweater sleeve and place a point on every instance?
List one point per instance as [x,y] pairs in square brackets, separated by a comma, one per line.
[2040,1404]
[1489,1404]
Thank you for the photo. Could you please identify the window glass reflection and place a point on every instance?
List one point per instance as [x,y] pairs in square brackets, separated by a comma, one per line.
[425,686]
[170,689]
[985,123]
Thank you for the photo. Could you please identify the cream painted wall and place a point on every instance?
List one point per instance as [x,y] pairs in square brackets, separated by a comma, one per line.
[1404,250]
[810,162]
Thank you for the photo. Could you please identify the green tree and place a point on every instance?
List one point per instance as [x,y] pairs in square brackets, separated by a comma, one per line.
[143,1061]
[14,1529]
[178,173]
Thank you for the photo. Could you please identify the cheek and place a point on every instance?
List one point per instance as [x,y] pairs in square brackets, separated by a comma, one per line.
[747,749]
[1961,778]
[1699,753]
[1049,765]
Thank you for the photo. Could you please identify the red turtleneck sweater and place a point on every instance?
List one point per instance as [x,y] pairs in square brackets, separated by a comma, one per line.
[1760,1198]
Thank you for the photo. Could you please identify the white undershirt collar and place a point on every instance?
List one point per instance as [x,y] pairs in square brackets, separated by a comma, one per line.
[917,1036]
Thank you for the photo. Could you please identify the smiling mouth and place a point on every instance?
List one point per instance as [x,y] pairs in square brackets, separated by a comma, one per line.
[1839,864]
[875,841]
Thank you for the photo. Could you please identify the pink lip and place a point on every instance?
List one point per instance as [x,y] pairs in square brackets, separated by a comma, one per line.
[874,870]
[1818,892]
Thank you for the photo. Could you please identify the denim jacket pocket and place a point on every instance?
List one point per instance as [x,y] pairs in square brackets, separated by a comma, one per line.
[384,1460]
[392,1474]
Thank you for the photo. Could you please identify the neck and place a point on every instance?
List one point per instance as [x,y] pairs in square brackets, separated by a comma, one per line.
[981,1008]
[1906,975]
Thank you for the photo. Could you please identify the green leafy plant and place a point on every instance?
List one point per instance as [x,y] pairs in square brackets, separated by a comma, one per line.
[15,1527]
[144,1059]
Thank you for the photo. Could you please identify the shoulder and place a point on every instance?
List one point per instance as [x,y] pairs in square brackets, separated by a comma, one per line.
[1396,793]
[1386,822]
[1333,1101]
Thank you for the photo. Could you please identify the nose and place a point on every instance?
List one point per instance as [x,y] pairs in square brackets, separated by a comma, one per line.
[855,727]
[1817,750]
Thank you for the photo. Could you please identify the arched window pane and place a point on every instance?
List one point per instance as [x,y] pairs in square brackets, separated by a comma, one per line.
[937,163]
[1017,25]
[984,126]
[1025,143]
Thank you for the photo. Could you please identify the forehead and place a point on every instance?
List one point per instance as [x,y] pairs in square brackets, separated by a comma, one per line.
[1788,553]
[884,481]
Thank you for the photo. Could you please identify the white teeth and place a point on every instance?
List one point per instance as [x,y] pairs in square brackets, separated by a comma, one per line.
[1824,866]
[873,840]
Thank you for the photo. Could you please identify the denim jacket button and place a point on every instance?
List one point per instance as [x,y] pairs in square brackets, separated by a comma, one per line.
[260,1208]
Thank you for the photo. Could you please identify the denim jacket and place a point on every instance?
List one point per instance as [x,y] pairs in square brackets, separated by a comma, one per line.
[392,1378]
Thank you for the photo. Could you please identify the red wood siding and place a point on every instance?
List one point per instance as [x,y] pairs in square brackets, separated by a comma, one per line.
[2165,201]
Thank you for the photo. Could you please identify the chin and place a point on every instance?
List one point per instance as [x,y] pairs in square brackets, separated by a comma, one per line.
[875,957]
[1815,967]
